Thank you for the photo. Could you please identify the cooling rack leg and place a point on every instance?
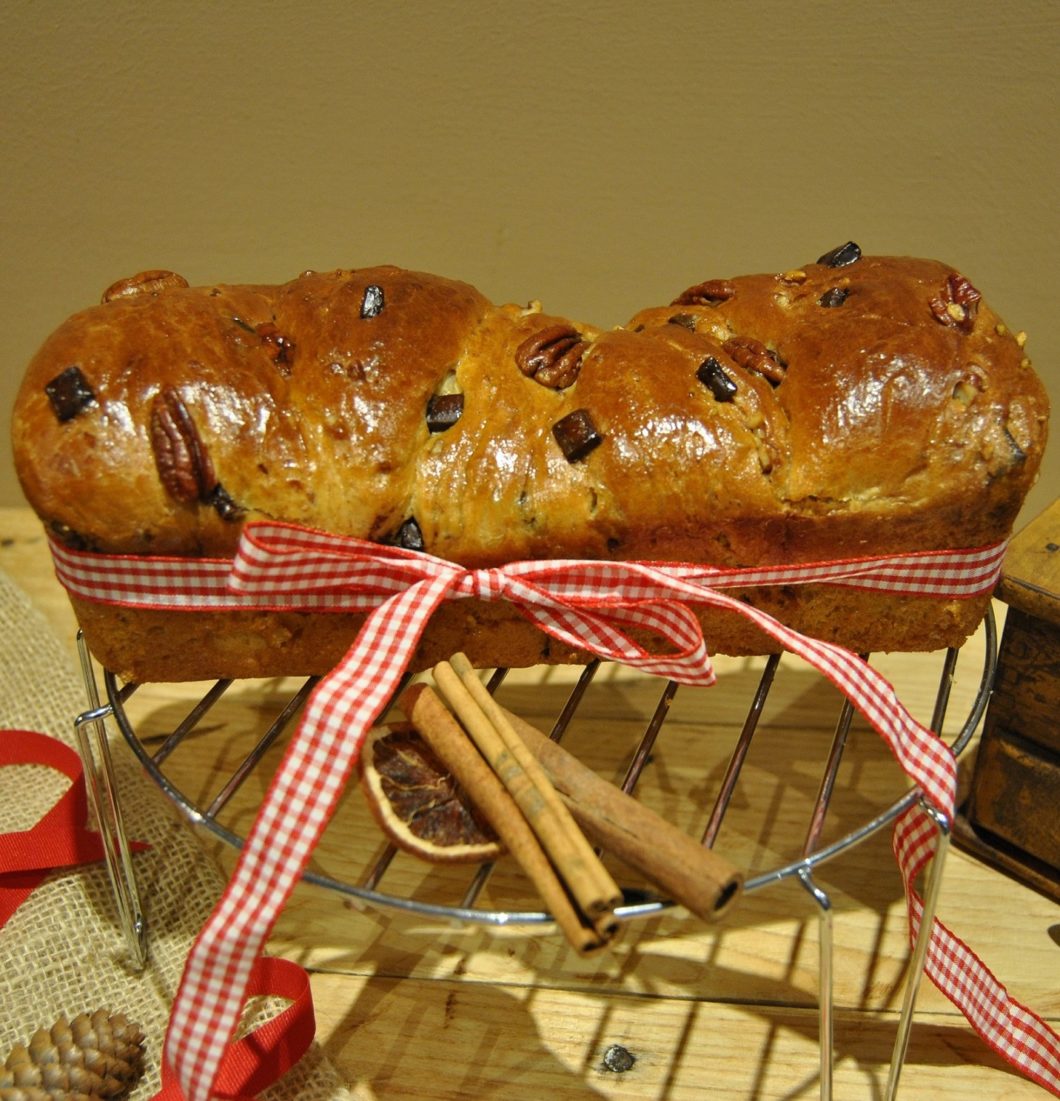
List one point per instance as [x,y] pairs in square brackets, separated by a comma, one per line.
[825,980]
[106,809]
[920,946]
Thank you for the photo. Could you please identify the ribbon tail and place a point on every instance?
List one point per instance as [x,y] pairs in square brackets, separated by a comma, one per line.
[300,801]
[922,756]
[1015,1032]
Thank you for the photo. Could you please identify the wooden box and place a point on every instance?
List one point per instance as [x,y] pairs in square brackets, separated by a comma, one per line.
[1011,816]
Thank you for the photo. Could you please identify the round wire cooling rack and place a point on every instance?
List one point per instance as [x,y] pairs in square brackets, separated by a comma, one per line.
[467,888]
[367,889]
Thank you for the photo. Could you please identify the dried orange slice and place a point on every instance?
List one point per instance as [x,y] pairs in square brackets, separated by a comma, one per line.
[418,804]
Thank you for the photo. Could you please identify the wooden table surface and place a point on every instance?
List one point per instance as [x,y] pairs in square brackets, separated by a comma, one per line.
[415,1007]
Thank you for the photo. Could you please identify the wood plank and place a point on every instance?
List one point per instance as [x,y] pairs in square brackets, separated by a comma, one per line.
[398,1039]
[765,951]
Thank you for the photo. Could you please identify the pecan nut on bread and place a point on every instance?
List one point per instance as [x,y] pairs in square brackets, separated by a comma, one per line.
[854,406]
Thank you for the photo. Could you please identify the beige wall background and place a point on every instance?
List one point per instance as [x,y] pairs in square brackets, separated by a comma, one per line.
[600,156]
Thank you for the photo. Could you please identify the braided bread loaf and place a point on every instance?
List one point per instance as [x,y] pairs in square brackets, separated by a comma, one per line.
[857,405]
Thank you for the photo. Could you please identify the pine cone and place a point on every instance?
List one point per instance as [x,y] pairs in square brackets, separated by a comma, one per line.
[94,1057]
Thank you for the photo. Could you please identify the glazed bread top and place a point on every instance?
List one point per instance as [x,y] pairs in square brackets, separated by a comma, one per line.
[855,405]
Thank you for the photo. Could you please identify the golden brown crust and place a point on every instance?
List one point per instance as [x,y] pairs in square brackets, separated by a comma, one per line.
[852,406]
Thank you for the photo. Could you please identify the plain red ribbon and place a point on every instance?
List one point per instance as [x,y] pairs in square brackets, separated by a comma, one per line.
[61,839]
[265,1055]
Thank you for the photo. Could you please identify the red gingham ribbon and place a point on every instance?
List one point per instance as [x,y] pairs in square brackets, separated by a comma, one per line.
[587,604]
[335,573]
[1015,1032]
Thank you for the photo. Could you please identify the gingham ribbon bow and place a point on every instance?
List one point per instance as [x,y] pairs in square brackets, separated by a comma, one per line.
[586,604]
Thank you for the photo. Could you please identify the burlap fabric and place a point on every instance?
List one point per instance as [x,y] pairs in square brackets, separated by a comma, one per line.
[63,951]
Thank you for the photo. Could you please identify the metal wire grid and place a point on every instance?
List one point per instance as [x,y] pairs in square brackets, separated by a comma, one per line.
[368,890]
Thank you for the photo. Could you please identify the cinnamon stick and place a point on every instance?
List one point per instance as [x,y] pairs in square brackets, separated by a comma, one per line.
[444,735]
[592,887]
[687,872]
